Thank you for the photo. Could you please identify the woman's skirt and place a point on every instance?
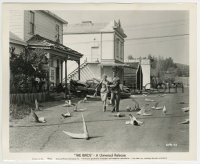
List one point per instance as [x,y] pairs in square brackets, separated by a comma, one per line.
[104,96]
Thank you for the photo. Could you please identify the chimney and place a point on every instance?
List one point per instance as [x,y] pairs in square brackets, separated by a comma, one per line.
[86,22]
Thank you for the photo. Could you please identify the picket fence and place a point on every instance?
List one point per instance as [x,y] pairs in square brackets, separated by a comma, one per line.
[22,98]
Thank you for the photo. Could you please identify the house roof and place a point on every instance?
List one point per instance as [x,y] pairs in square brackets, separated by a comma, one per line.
[84,28]
[90,27]
[115,64]
[41,42]
[55,16]
[134,65]
[15,39]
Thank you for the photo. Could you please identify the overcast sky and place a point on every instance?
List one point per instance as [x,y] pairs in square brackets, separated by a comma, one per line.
[137,25]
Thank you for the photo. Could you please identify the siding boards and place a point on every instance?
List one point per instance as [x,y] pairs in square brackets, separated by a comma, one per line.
[16,23]
[45,26]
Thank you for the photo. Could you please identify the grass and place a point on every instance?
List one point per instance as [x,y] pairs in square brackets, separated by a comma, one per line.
[20,111]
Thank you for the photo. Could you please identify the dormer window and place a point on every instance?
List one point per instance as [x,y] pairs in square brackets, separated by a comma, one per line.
[32,23]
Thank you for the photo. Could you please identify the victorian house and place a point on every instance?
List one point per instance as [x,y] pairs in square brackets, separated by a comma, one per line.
[43,29]
[102,45]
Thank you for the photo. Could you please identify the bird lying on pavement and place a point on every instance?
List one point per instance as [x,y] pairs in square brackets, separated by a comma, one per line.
[38,119]
[119,115]
[68,114]
[149,100]
[156,107]
[185,109]
[187,121]
[84,135]
[142,112]
[78,110]
[133,121]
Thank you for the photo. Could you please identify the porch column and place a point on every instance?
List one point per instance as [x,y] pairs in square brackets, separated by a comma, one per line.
[66,88]
[61,76]
[79,73]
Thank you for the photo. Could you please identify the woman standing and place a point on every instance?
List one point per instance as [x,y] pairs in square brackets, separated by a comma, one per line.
[104,90]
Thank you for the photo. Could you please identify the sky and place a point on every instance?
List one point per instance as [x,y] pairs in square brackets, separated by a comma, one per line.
[169,29]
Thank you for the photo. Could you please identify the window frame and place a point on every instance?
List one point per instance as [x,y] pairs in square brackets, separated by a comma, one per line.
[32,23]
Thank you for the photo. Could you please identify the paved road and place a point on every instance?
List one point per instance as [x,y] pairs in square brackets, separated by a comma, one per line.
[108,134]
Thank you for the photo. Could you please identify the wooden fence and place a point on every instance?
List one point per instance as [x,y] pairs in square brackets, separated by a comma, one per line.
[23,98]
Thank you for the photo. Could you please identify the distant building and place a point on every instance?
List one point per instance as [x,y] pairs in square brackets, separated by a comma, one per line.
[133,76]
[102,45]
[145,67]
[42,29]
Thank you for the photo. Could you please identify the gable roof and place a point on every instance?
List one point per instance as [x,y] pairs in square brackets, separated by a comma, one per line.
[38,41]
[84,28]
[134,65]
[90,27]
[55,16]
[15,39]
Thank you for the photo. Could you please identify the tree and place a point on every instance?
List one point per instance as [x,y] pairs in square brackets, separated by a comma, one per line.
[130,57]
[24,67]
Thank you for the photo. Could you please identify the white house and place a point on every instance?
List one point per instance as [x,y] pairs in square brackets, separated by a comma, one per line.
[102,45]
[42,29]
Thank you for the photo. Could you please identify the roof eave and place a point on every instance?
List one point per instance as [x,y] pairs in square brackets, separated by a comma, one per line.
[55,16]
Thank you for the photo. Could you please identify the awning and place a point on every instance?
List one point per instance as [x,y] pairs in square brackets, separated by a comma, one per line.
[38,41]
[115,64]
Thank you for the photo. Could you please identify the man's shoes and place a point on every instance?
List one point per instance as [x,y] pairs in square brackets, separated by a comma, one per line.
[113,111]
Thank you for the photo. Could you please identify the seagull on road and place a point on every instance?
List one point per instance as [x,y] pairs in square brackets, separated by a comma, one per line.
[156,106]
[187,121]
[149,100]
[38,119]
[68,114]
[164,110]
[134,121]
[185,109]
[84,135]
[142,112]
[119,115]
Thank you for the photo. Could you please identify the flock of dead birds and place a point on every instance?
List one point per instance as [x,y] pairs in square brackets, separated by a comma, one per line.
[133,120]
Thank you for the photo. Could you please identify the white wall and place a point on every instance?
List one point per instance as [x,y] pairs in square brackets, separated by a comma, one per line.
[45,26]
[108,46]
[83,43]
[16,25]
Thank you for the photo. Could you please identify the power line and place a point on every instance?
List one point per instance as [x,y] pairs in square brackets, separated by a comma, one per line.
[154,41]
[155,37]
[134,39]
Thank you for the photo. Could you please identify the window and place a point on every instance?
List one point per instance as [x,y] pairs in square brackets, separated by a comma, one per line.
[32,22]
[117,48]
[95,54]
[57,33]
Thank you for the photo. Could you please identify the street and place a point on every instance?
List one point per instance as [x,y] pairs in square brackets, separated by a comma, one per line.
[107,133]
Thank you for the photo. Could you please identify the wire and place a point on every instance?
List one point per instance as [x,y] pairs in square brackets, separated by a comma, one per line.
[139,38]
[155,37]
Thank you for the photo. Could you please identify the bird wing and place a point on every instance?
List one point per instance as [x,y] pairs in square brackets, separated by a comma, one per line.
[147,114]
[35,117]
[76,135]
[85,130]
[156,104]
[137,105]
[185,122]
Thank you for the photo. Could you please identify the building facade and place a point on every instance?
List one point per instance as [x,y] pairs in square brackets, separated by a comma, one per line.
[102,45]
[43,29]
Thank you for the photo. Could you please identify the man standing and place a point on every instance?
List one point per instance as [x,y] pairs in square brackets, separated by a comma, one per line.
[115,92]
